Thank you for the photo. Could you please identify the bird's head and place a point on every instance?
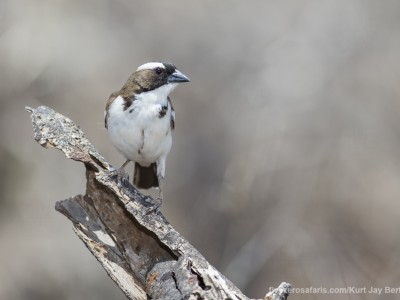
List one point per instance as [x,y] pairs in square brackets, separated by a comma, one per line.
[156,75]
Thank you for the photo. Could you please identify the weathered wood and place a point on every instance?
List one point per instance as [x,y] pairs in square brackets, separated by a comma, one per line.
[124,230]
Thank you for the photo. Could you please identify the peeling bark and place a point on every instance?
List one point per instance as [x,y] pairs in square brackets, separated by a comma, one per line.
[141,252]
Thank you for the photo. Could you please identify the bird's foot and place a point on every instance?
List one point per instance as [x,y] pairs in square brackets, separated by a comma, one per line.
[156,206]
[121,176]
[153,209]
[159,201]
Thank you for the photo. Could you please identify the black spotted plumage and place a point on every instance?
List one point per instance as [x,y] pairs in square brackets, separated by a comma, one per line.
[163,111]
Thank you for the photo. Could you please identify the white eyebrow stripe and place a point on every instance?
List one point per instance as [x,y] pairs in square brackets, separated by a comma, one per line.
[151,65]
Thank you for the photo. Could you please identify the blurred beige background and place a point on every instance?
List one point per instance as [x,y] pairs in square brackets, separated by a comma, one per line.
[286,157]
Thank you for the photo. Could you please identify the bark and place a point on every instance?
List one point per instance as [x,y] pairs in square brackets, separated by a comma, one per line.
[141,252]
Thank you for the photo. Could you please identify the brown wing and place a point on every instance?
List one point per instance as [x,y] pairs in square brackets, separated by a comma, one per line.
[110,100]
[172,114]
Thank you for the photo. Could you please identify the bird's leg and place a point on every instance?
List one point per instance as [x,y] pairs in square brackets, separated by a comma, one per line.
[160,188]
[122,175]
[160,177]
[125,164]
[158,201]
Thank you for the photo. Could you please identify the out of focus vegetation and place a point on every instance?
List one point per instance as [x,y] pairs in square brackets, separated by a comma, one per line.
[286,157]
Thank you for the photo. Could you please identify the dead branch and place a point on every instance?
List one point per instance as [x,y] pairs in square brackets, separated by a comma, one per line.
[141,252]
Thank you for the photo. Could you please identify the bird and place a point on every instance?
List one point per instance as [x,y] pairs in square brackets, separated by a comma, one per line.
[140,119]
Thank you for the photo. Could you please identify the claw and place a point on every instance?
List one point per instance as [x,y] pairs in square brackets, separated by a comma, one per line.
[155,209]
[121,175]
[159,201]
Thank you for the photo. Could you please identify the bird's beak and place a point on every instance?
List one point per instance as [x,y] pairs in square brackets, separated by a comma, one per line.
[177,77]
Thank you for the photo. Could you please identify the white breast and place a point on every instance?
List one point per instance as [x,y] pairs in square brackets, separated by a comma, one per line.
[138,132]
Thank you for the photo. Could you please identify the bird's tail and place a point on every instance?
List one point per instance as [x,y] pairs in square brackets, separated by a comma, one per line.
[145,177]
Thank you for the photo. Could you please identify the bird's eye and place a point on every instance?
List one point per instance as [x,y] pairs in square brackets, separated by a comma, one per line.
[158,71]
